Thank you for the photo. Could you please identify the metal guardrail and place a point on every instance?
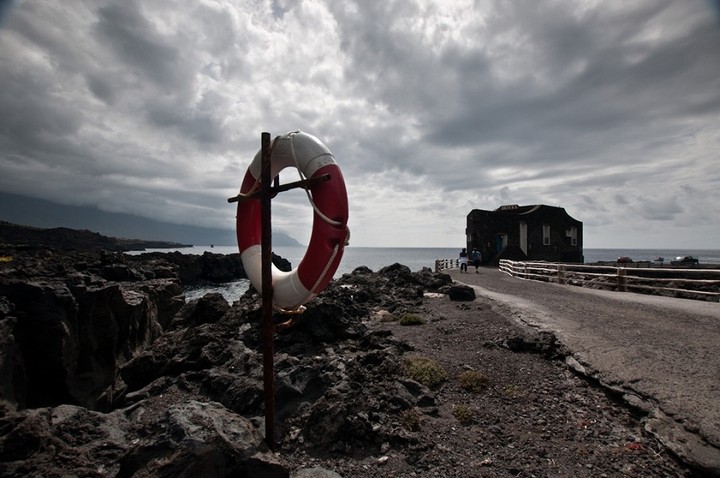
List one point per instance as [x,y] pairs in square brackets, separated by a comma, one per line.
[699,284]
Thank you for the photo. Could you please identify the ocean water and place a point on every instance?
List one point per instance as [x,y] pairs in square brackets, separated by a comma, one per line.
[373,257]
[415,258]
[705,256]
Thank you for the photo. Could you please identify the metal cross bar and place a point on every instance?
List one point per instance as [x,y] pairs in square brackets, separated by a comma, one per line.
[303,183]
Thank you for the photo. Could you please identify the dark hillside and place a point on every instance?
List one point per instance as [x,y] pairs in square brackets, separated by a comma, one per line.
[66,239]
[17,209]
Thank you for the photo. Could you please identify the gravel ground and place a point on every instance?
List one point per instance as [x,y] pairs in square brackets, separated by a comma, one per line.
[529,416]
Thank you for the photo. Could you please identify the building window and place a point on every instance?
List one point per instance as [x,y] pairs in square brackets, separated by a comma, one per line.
[572,234]
[546,234]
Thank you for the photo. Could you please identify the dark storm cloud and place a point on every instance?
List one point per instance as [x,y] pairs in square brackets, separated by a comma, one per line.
[432,108]
[139,46]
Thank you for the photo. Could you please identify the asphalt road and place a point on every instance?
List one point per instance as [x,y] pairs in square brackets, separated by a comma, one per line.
[661,354]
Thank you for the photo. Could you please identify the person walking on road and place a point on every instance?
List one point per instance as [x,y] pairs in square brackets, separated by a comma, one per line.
[476,258]
[463,260]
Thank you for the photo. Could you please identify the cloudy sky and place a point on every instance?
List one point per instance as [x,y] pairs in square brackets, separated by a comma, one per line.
[610,109]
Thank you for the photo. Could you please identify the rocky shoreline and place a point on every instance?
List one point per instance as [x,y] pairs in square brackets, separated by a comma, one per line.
[105,370]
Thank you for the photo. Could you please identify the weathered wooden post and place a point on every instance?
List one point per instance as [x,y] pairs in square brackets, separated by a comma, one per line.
[561,274]
[621,280]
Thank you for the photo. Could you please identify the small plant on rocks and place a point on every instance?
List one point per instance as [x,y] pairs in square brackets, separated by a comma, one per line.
[473,381]
[411,319]
[410,420]
[425,371]
[514,391]
[463,414]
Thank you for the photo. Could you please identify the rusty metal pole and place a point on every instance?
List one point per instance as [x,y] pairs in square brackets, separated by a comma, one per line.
[267,292]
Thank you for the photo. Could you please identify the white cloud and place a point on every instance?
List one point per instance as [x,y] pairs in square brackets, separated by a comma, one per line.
[609,109]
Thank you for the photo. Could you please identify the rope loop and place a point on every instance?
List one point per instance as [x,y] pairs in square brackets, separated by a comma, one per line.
[307,191]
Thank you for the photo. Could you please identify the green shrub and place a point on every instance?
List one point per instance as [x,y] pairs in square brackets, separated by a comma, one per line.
[473,381]
[425,371]
[411,319]
[463,414]
[514,391]
[410,420]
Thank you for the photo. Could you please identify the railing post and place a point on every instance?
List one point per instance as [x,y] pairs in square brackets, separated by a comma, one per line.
[561,274]
[621,280]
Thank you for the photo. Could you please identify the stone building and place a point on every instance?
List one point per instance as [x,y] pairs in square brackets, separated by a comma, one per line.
[537,232]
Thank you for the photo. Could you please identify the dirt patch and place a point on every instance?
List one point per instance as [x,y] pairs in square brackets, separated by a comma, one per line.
[529,415]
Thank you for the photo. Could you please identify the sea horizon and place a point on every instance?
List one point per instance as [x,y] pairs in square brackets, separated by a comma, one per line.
[418,257]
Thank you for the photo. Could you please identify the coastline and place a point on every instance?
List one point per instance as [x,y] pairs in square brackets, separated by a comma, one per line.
[346,401]
[418,257]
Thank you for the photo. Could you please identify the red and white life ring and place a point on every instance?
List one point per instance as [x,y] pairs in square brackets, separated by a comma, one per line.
[329,234]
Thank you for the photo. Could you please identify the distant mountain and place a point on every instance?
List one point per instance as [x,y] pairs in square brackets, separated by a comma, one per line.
[35,212]
[62,238]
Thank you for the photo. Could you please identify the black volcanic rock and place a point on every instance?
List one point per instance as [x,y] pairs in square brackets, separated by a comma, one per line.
[460,292]
[205,268]
[74,319]
[104,370]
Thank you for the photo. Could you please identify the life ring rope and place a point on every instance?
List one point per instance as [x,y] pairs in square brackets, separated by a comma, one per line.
[307,191]
[325,270]
[302,176]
